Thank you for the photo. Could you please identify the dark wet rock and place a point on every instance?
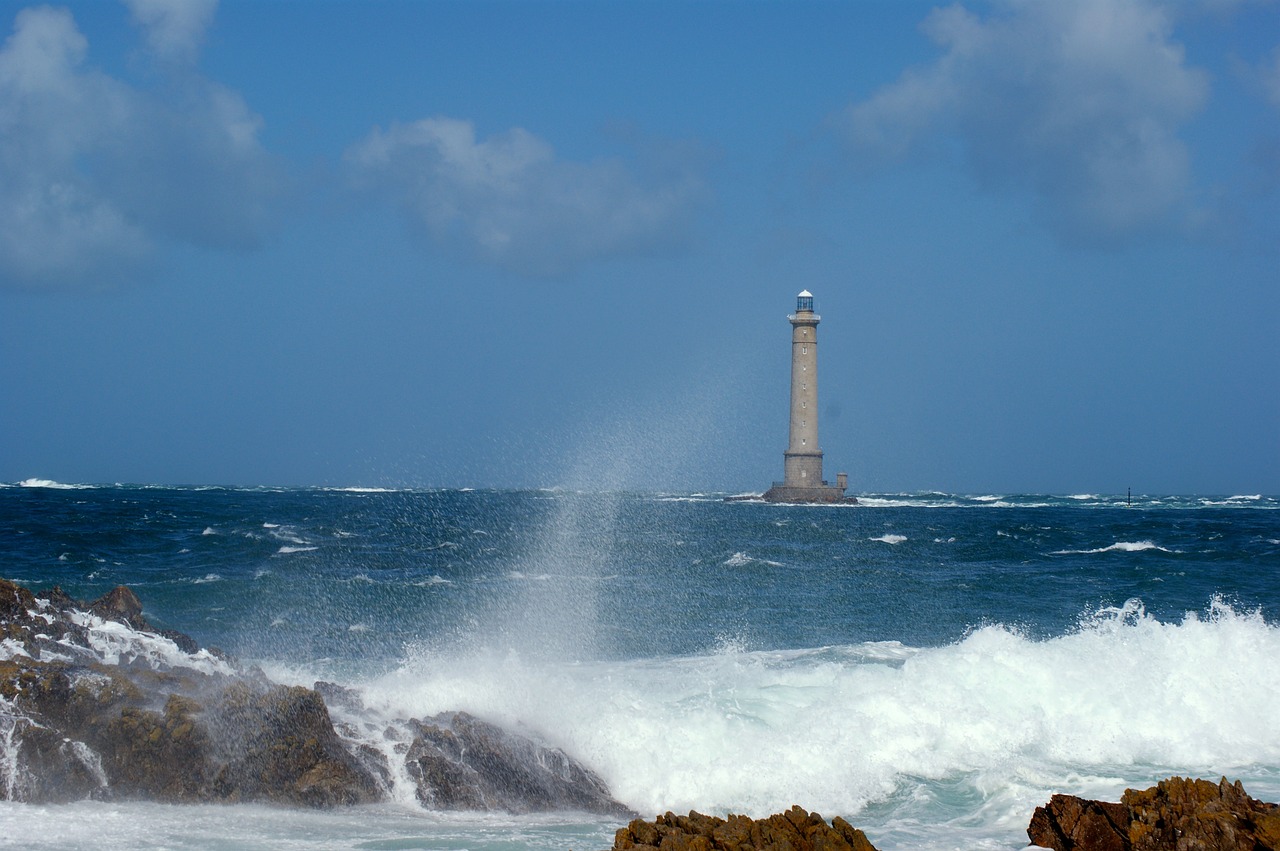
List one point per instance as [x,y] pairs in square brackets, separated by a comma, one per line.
[462,762]
[282,743]
[795,830]
[1177,814]
[182,729]
[170,721]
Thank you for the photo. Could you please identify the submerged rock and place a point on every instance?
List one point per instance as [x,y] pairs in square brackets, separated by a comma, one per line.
[794,830]
[96,703]
[1177,814]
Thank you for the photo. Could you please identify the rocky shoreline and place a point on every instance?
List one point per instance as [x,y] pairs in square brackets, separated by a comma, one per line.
[96,703]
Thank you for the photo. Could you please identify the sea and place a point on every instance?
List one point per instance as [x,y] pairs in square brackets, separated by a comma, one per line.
[929,666]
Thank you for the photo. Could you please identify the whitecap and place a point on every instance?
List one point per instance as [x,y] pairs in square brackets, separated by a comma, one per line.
[889,538]
[1118,546]
[288,550]
[51,484]
[208,577]
[432,580]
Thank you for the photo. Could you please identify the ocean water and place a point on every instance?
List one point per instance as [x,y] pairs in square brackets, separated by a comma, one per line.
[929,666]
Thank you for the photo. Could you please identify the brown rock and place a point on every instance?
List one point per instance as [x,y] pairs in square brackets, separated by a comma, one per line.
[1068,822]
[1177,814]
[794,830]
[120,604]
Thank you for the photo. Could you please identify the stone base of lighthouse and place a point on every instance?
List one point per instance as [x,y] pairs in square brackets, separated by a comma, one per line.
[802,481]
[822,493]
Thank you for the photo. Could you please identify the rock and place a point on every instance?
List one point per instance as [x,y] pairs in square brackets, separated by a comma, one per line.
[1069,822]
[280,745]
[139,720]
[1177,814]
[794,830]
[150,729]
[120,604]
[461,762]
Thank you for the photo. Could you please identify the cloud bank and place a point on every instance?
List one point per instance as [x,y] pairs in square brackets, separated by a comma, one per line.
[96,175]
[174,28]
[508,199]
[1079,103]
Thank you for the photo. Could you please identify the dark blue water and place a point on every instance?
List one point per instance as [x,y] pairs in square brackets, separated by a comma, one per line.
[930,666]
[248,569]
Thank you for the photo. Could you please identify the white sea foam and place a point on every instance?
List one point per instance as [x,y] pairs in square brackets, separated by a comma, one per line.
[290,550]
[207,579]
[98,825]
[11,648]
[1123,699]
[433,580]
[49,483]
[1118,546]
[742,560]
[115,643]
[889,538]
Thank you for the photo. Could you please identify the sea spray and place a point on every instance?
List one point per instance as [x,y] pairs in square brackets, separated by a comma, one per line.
[846,728]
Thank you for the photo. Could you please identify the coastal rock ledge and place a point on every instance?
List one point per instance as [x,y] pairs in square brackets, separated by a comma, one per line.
[794,830]
[1177,814]
[97,703]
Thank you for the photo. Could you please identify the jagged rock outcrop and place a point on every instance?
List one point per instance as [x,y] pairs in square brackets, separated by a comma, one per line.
[461,762]
[794,830]
[95,710]
[1177,814]
[96,703]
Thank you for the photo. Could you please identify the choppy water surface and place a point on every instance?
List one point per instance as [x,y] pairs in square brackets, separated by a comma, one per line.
[930,666]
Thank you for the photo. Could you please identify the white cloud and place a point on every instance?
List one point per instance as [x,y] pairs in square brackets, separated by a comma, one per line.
[508,200]
[174,28]
[1079,102]
[95,175]
[1271,78]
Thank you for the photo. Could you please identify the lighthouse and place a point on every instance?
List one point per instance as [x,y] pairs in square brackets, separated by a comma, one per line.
[802,462]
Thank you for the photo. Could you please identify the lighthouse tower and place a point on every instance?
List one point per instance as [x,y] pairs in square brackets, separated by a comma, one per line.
[802,462]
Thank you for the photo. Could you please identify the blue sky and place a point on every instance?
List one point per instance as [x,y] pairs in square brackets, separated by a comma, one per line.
[555,243]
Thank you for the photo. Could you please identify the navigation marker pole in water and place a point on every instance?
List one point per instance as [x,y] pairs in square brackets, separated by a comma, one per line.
[802,462]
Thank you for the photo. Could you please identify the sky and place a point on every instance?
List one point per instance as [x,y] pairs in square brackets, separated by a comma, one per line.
[554,244]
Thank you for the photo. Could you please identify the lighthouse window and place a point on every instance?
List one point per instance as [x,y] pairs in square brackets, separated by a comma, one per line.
[804,350]
[804,385]
[804,404]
